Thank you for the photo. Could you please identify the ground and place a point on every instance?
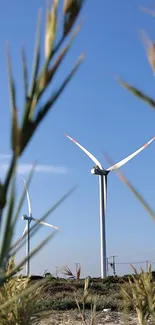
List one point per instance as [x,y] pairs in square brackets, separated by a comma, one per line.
[73,318]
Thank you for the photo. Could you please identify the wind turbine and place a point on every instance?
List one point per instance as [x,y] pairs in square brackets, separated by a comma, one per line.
[102,174]
[26,231]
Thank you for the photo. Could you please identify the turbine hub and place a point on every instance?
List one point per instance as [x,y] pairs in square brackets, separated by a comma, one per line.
[25,217]
[97,171]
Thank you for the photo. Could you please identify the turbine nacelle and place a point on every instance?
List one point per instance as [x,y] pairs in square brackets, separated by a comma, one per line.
[25,217]
[96,170]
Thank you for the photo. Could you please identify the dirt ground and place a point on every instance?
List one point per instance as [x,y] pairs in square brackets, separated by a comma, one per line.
[72,317]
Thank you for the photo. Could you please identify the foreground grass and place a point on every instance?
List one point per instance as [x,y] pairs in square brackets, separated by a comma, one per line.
[83,298]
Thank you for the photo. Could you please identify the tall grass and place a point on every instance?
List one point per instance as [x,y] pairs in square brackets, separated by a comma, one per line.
[141,291]
[17,303]
[150,54]
[21,133]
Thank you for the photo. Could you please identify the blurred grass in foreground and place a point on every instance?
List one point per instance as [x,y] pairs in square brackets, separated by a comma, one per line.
[15,292]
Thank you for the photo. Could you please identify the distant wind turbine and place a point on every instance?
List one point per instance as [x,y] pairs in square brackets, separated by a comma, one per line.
[26,231]
[102,173]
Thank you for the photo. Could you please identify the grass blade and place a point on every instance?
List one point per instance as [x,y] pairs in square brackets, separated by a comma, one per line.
[34,251]
[5,187]
[67,271]
[51,28]
[148,11]
[132,189]
[136,193]
[17,213]
[24,194]
[36,60]
[8,230]
[71,13]
[43,111]
[35,227]
[138,93]
[15,133]
[25,292]
[47,76]
[11,81]
[25,72]
[14,116]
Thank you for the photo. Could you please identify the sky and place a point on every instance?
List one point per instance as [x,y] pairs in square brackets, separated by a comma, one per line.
[103,117]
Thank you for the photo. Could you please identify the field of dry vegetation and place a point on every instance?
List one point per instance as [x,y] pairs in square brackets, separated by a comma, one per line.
[57,302]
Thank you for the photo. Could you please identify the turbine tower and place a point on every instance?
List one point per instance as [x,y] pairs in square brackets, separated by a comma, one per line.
[102,174]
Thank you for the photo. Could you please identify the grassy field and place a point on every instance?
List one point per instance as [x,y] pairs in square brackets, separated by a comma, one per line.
[61,294]
[47,300]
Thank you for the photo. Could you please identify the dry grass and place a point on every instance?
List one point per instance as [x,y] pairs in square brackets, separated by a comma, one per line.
[140,292]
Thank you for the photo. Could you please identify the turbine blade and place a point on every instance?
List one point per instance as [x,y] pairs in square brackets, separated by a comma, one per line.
[20,239]
[28,198]
[45,223]
[125,160]
[86,152]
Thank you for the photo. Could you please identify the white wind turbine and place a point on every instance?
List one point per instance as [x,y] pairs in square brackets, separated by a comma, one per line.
[102,173]
[26,231]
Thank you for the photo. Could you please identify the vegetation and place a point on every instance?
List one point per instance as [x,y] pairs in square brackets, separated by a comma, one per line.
[16,292]
[22,133]
[60,294]
[21,309]
[67,272]
[141,291]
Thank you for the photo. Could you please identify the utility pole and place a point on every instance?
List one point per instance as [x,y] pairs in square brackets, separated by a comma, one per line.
[56,273]
[108,265]
[147,266]
[113,264]
[77,265]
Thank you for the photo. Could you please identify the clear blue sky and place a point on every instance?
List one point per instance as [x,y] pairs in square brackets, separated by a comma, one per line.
[102,116]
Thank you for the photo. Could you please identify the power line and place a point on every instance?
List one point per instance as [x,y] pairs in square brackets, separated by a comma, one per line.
[141,262]
[147,263]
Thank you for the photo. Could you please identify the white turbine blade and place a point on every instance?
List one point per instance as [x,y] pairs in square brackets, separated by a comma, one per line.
[28,198]
[86,152]
[45,223]
[20,239]
[125,160]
